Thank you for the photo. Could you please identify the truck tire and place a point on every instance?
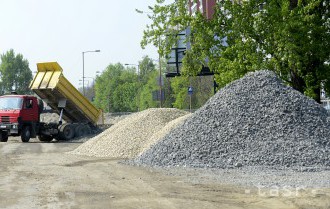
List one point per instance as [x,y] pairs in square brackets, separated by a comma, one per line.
[4,136]
[26,134]
[45,138]
[79,130]
[66,132]
[87,130]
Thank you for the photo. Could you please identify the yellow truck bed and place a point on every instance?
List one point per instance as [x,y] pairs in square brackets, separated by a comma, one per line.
[53,88]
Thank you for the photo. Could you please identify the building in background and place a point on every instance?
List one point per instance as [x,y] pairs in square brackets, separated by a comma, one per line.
[204,6]
[174,59]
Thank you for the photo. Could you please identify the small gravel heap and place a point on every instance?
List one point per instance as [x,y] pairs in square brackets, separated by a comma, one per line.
[49,117]
[131,135]
[254,121]
[162,133]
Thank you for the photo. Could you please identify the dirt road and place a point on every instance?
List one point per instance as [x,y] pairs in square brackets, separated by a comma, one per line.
[43,175]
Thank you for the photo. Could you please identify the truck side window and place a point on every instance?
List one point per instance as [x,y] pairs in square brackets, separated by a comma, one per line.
[28,103]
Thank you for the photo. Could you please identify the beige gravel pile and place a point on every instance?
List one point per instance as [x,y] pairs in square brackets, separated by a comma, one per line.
[113,118]
[131,136]
[162,133]
[49,117]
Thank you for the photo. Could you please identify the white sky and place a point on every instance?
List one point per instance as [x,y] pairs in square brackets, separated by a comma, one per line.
[60,30]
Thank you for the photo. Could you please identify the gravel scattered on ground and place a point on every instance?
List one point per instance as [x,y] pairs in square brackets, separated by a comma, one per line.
[254,121]
[131,135]
[253,177]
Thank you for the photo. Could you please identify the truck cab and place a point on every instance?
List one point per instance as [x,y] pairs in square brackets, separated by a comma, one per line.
[19,115]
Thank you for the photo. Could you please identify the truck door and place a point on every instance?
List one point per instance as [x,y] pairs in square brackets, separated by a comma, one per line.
[30,110]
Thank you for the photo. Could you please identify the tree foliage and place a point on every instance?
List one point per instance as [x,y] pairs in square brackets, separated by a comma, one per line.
[15,73]
[116,89]
[179,86]
[121,89]
[146,99]
[289,37]
[146,67]
[202,91]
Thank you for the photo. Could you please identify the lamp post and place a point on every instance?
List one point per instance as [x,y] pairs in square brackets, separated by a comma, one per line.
[83,78]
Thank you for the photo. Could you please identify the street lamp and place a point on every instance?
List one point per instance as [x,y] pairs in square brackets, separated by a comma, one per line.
[83,78]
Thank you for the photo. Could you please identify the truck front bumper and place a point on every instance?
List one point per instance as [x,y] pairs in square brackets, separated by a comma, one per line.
[11,128]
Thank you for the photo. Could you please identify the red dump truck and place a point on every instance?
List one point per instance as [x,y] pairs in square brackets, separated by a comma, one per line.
[20,114]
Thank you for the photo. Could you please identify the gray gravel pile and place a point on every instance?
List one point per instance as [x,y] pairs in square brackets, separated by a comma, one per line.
[254,121]
[131,135]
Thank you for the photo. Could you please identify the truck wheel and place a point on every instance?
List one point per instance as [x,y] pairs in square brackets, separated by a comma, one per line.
[87,130]
[79,131]
[66,132]
[4,136]
[26,134]
[45,138]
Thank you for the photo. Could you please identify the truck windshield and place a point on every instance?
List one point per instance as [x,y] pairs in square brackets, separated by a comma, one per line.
[10,103]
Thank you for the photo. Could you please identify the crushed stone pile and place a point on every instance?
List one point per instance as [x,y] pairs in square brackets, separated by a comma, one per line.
[113,118]
[49,117]
[131,135]
[254,121]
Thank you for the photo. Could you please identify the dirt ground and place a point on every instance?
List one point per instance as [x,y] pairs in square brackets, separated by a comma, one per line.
[43,175]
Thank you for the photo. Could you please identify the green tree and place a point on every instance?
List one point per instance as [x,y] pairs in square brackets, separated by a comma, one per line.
[125,95]
[146,66]
[15,73]
[116,89]
[146,99]
[150,84]
[179,86]
[290,37]
[202,91]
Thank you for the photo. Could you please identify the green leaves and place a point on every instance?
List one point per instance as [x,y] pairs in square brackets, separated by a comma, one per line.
[126,88]
[292,38]
[15,73]
[146,95]
[116,89]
